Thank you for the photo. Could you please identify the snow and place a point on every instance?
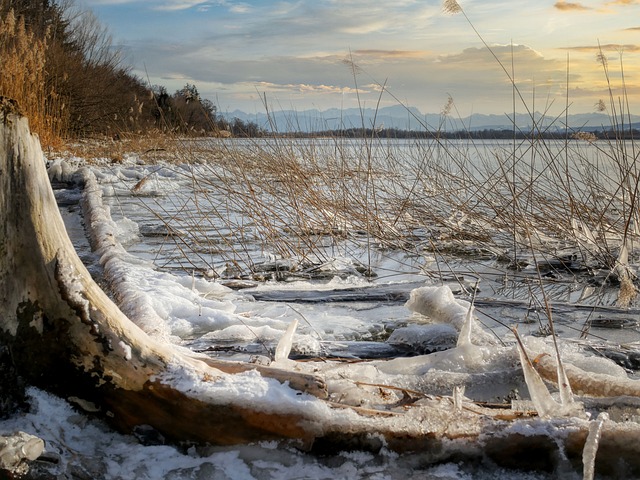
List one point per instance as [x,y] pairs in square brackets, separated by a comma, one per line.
[184,309]
[90,449]
[257,392]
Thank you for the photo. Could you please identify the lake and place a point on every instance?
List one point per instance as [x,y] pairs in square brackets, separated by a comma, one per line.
[221,255]
[318,215]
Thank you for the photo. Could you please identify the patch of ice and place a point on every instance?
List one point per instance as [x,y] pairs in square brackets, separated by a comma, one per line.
[283,349]
[424,338]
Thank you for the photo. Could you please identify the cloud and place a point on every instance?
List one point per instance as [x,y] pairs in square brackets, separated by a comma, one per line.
[175,5]
[419,77]
[391,54]
[296,49]
[94,3]
[607,47]
[241,8]
[200,5]
[570,6]
[485,58]
[304,88]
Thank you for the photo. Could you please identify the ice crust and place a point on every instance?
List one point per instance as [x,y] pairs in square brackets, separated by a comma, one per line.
[177,307]
[81,447]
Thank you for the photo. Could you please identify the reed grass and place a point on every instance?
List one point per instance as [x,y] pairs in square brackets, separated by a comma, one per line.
[536,211]
[23,79]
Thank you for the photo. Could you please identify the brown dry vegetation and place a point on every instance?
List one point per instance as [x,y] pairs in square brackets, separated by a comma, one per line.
[22,57]
[60,65]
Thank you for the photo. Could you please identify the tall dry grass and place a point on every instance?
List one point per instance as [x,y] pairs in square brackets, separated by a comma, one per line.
[23,65]
[538,212]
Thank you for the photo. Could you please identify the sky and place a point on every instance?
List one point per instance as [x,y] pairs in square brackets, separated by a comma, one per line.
[255,55]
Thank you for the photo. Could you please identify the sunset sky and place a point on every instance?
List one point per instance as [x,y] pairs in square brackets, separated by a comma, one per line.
[300,54]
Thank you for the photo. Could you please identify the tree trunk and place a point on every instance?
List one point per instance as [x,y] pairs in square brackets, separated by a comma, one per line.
[66,336]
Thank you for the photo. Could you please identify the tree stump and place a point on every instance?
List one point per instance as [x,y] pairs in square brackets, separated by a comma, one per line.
[67,337]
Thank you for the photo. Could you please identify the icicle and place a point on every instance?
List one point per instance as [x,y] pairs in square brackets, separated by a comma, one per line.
[574,226]
[284,345]
[623,256]
[591,446]
[540,396]
[472,354]
[564,387]
[580,230]
[464,337]
[589,234]
[458,394]
[566,394]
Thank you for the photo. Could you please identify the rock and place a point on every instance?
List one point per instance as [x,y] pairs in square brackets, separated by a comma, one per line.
[17,450]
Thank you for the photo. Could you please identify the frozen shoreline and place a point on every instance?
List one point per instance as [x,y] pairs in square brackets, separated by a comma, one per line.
[191,311]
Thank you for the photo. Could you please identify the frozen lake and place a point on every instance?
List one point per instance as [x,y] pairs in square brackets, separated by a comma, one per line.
[222,254]
[230,222]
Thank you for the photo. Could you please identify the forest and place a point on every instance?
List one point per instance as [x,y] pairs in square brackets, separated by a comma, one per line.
[71,80]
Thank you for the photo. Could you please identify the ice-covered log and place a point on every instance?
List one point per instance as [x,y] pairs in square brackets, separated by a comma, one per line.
[66,336]
[588,383]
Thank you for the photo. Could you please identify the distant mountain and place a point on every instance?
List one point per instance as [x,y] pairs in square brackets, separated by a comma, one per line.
[410,118]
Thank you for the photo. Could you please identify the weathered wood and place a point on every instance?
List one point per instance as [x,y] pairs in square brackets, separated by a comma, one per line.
[66,336]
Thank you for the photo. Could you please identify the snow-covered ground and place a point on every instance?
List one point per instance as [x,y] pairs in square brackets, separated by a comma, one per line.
[440,342]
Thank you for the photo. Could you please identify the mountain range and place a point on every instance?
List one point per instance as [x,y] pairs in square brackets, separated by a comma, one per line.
[410,118]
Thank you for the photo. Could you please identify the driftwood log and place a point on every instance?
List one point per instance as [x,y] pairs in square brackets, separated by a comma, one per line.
[66,336]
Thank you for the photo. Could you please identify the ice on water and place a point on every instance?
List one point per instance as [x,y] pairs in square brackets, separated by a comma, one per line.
[183,309]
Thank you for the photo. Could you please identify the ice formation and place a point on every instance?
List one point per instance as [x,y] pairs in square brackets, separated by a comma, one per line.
[591,446]
[543,402]
[191,306]
[283,349]
[439,304]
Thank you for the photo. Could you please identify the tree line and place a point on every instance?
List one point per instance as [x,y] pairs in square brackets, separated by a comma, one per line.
[61,65]
[482,134]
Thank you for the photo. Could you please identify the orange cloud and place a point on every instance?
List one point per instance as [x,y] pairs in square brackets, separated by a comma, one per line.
[623,2]
[567,6]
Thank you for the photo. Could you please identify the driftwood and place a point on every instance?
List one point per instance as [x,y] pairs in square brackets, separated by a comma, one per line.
[66,336]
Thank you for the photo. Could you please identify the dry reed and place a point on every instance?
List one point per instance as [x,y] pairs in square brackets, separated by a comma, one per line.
[22,60]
